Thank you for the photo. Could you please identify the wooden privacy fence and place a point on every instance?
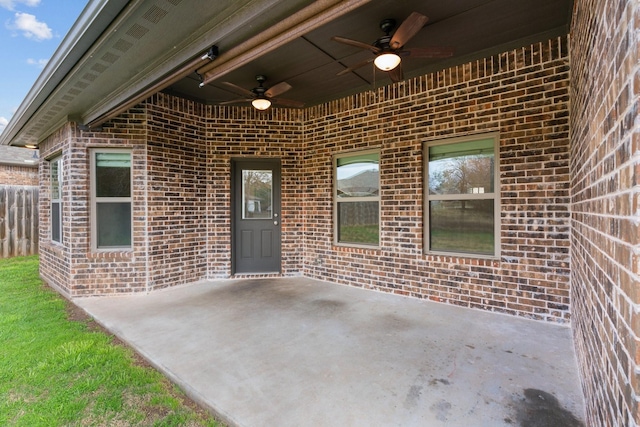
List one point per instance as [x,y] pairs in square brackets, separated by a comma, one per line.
[18,220]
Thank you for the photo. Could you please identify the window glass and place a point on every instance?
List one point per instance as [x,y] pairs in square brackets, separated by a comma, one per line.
[56,202]
[114,224]
[257,194]
[56,217]
[358,176]
[113,174]
[357,193]
[55,179]
[112,210]
[462,226]
[462,198]
[358,222]
[462,168]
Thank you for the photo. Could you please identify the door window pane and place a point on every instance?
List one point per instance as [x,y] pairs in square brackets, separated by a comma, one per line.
[257,194]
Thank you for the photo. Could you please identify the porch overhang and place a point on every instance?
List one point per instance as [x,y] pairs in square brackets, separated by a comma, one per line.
[119,53]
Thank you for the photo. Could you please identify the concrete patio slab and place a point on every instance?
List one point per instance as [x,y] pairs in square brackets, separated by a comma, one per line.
[302,352]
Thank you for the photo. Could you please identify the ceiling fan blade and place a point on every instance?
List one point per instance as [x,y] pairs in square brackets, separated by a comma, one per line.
[235,101]
[396,74]
[287,102]
[407,30]
[239,90]
[355,67]
[278,89]
[428,52]
[356,43]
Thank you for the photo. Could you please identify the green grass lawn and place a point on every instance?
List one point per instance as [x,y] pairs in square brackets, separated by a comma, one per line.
[60,372]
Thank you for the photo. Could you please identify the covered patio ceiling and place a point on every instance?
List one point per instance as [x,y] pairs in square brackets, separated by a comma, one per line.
[120,52]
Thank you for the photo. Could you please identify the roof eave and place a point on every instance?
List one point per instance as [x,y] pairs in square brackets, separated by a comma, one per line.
[94,19]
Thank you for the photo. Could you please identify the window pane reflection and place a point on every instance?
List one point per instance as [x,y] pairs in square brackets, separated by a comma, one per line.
[358,222]
[114,224]
[358,176]
[462,168]
[462,226]
[257,194]
[113,175]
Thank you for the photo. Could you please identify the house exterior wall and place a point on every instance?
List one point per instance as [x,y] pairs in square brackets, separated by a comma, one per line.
[55,259]
[183,151]
[562,195]
[73,267]
[240,133]
[523,95]
[605,161]
[182,221]
[190,151]
[18,175]
[176,192]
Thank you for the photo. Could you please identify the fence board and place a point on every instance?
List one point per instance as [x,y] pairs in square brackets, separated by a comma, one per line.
[18,220]
[3,221]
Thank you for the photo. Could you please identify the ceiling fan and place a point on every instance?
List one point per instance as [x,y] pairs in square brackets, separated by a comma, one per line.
[389,48]
[261,97]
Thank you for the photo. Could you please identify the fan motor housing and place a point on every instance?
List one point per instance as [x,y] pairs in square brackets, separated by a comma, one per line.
[260,90]
[387,25]
[383,43]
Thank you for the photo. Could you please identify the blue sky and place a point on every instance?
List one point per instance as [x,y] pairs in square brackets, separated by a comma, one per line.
[30,32]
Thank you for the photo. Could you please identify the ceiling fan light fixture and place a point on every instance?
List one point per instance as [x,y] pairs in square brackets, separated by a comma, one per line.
[261,103]
[387,61]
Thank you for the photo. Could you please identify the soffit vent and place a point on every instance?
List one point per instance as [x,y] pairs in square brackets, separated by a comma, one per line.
[155,14]
[137,31]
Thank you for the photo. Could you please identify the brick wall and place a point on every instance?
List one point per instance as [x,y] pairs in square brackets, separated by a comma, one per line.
[243,132]
[523,95]
[557,198]
[176,192]
[72,267]
[182,154]
[18,175]
[55,260]
[604,186]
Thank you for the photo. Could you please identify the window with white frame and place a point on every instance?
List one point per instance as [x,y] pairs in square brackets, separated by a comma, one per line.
[55,166]
[462,204]
[357,198]
[111,199]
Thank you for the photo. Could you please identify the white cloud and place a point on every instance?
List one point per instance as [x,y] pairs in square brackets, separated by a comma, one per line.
[11,4]
[31,28]
[40,63]
[3,123]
